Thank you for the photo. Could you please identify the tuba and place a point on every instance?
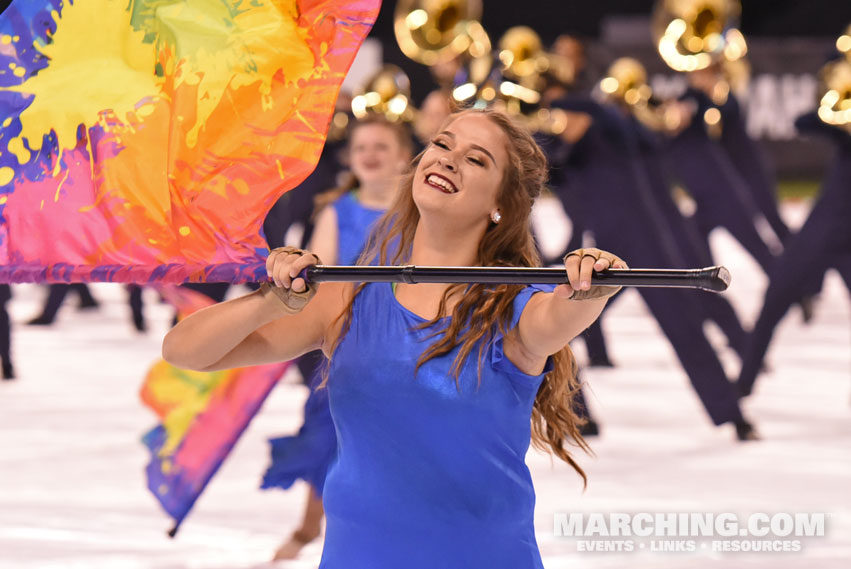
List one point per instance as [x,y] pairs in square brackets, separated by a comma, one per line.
[525,67]
[835,94]
[625,84]
[474,77]
[386,93]
[437,31]
[434,32]
[523,61]
[526,64]
[693,34]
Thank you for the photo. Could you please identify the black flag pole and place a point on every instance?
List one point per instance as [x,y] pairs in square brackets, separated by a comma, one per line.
[715,279]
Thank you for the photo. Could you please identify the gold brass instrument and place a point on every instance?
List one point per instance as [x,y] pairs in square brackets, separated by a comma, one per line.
[835,94]
[625,84]
[437,31]
[693,34]
[843,43]
[387,93]
[525,65]
[434,32]
[626,81]
[476,66]
[523,61]
[522,54]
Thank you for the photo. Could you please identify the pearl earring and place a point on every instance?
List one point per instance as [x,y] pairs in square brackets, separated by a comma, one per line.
[495,216]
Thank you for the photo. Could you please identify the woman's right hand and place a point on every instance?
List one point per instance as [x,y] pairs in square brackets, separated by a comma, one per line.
[291,291]
[267,326]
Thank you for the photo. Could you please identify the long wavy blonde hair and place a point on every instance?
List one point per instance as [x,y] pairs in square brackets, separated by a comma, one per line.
[482,310]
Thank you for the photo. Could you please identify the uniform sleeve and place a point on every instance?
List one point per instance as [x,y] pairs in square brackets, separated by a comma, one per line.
[811,124]
[498,359]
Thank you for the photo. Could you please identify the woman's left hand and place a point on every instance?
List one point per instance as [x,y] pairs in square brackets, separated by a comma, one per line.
[580,265]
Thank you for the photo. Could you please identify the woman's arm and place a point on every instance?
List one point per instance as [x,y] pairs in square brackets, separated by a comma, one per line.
[257,328]
[551,320]
[324,242]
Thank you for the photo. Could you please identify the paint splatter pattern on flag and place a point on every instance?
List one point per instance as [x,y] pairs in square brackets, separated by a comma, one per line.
[144,141]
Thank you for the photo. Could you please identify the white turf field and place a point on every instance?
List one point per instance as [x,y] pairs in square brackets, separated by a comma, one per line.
[72,487]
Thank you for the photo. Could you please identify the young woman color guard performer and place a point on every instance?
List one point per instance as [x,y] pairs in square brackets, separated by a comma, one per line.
[378,153]
[435,390]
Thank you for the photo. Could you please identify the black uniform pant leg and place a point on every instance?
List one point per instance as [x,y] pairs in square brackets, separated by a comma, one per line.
[694,243]
[216,291]
[719,310]
[694,249]
[808,255]
[772,215]
[595,344]
[134,299]
[682,325]
[56,294]
[580,405]
[5,327]
[765,197]
[722,198]
[679,317]
[742,228]
[595,340]
[741,214]
[85,294]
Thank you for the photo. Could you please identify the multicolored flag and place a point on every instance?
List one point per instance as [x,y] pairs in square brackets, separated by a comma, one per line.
[202,415]
[145,140]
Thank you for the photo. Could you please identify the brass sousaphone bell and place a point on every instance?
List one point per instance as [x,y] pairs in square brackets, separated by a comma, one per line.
[386,93]
[835,86]
[525,65]
[436,31]
[626,84]
[835,93]
[626,81]
[693,34]
[433,32]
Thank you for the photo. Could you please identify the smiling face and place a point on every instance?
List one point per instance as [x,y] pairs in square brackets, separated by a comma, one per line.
[376,154]
[461,172]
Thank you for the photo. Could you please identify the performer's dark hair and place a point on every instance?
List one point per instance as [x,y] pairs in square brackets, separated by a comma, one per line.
[482,309]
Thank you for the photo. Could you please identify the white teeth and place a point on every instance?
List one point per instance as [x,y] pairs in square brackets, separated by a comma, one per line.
[438,181]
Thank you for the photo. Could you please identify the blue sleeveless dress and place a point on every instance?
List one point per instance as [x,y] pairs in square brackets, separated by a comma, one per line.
[307,455]
[427,475]
[354,222]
